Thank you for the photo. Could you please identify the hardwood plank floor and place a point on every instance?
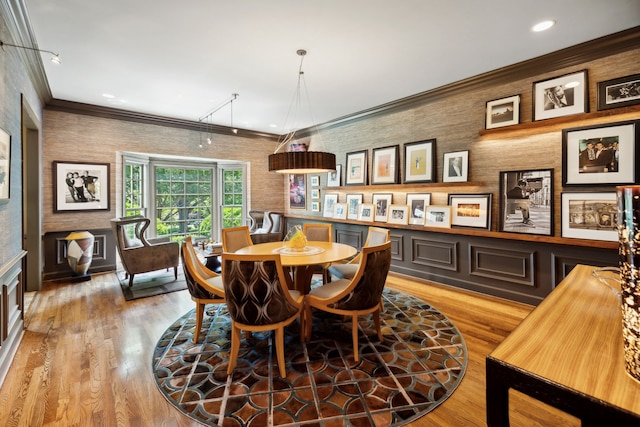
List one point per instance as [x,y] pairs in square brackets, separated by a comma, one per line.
[85,359]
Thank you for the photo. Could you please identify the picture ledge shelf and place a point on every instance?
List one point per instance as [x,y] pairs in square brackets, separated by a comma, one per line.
[559,122]
[404,186]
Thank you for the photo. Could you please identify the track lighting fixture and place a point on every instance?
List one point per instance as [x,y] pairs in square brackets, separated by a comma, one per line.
[55,58]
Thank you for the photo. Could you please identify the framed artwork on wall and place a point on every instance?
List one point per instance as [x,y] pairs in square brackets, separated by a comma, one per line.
[353,201]
[438,216]
[329,203]
[315,180]
[297,191]
[526,201]
[398,214]
[591,216]
[315,193]
[620,92]
[420,161]
[418,203]
[471,210]
[385,169]
[315,206]
[455,166]
[382,201]
[503,112]
[366,212]
[340,211]
[334,178]
[601,154]
[561,96]
[356,168]
[80,186]
[5,164]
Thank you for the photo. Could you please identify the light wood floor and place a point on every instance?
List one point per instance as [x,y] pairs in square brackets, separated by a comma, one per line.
[85,359]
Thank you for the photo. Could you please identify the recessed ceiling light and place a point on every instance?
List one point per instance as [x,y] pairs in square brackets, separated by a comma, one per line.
[542,26]
[108,95]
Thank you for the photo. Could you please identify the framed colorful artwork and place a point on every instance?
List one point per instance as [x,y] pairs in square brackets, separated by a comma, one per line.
[420,161]
[297,191]
[471,210]
[356,168]
[353,201]
[385,168]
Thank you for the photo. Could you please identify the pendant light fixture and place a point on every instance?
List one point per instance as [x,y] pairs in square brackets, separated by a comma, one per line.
[300,161]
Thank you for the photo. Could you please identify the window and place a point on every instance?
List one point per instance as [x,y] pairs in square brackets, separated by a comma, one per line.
[133,189]
[232,198]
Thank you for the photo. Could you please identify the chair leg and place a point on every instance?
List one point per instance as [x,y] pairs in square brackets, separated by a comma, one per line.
[131,280]
[235,348]
[354,335]
[199,319]
[376,321]
[307,322]
[175,272]
[280,351]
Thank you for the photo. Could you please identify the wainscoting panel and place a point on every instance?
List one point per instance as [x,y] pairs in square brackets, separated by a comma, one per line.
[434,253]
[562,264]
[350,237]
[397,247]
[515,267]
[11,311]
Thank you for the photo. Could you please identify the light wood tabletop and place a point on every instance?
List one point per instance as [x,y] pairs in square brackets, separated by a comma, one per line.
[571,342]
[304,262]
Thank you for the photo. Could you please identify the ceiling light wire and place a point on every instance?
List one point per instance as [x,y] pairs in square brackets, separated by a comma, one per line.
[55,58]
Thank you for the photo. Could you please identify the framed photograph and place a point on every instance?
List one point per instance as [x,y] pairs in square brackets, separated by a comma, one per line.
[353,201]
[601,154]
[438,216]
[591,216]
[5,164]
[561,96]
[80,186]
[356,168]
[366,212]
[334,178]
[420,161]
[382,201]
[455,166]
[315,193]
[315,180]
[340,211]
[329,203]
[620,92]
[503,112]
[385,169]
[315,206]
[471,210]
[418,203]
[398,214]
[297,191]
[526,201]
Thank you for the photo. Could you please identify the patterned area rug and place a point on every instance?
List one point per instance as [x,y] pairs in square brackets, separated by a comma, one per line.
[150,284]
[420,363]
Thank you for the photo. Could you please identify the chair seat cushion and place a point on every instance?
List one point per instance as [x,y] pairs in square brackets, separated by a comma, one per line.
[294,294]
[330,289]
[216,282]
[344,271]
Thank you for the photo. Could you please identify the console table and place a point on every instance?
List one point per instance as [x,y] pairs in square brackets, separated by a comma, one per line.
[567,353]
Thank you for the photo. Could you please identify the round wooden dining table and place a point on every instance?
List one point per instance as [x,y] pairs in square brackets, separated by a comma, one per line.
[303,262]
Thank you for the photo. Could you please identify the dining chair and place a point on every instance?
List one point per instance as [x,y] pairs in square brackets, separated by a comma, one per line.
[353,297]
[234,238]
[319,233]
[375,237]
[259,299]
[205,286]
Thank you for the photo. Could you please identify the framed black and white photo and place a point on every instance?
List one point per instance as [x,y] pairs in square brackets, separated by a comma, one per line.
[366,212]
[315,206]
[340,211]
[471,210]
[438,216]
[297,191]
[503,112]
[330,201]
[526,201]
[353,201]
[385,166]
[334,178]
[418,203]
[356,168]
[79,186]
[5,164]
[420,161]
[315,180]
[381,201]
[561,96]
[592,216]
[601,154]
[620,92]
[398,214]
[455,166]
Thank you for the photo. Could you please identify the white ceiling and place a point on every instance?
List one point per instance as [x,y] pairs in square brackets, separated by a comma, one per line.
[183,59]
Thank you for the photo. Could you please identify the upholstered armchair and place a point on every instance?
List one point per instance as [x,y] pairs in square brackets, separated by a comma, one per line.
[347,270]
[139,254]
[319,233]
[271,230]
[354,297]
[259,299]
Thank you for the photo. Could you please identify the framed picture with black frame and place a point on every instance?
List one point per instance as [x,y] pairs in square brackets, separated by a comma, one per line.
[603,154]
[381,201]
[620,92]
[455,166]
[526,201]
[503,112]
[385,165]
[561,96]
[418,203]
[420,161]
[590,215]
[297,191]
[334,178]
[80,186]
[471,210]
[356,173]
